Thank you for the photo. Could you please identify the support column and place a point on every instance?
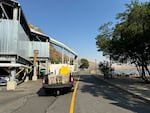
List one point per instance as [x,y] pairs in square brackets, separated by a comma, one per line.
[34,78]
[62,55]
[69,57]
[25,73]
[46,66]
[75,62]
[19,15]
[13,73]
[15,13]
[11,85]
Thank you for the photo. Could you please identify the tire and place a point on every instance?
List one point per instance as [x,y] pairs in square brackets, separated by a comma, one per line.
[56,92]
[46,91]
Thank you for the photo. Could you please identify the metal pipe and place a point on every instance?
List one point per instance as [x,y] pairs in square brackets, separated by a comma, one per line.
[13,65]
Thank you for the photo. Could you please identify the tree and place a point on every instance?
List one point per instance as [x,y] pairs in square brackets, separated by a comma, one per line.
[103,40]
[130,40]
[84,63]
[106,69]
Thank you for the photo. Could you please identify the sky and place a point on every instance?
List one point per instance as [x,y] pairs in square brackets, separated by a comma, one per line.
[74,22]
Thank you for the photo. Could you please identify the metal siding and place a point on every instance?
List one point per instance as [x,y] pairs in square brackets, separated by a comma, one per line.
[7,38]
[43,48]
[23,43]
[13,39]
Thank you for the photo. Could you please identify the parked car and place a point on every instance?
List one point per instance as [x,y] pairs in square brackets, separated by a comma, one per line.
[3,82]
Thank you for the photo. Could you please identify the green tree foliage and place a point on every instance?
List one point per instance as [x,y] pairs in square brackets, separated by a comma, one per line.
[103,40]
[130,40]
[105,68]
[84,63]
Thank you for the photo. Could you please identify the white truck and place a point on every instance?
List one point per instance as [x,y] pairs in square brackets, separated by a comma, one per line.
[58,83]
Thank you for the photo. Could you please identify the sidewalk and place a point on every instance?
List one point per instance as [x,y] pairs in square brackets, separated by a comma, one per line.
[12,100]
[134,86]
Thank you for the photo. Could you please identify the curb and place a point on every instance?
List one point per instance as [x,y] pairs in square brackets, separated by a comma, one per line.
[133,94]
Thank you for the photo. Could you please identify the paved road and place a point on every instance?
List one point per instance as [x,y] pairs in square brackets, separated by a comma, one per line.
[43,103]
[93,96]
[96,96]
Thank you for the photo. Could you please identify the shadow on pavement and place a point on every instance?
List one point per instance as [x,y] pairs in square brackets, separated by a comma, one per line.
[121,98]
[42,92]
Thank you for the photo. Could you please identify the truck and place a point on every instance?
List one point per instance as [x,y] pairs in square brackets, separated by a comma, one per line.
[56,84]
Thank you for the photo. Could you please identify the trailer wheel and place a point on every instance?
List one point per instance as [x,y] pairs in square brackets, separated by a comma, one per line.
[46,91]
[71,90]
[57,92]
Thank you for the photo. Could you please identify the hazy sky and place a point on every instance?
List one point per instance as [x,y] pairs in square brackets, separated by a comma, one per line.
[73,22]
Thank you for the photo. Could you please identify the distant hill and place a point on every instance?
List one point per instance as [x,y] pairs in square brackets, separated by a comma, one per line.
[92,64]
[35,28]
[55,56]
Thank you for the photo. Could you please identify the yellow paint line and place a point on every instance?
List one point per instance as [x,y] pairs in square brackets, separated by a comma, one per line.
[73,97]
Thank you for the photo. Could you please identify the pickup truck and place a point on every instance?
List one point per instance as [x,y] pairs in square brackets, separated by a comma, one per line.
[58,83]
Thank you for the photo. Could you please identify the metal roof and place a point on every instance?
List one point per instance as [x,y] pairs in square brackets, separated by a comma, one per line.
[53,41]
[11,3]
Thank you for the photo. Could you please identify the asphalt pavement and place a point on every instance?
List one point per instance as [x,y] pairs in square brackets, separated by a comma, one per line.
[13,99]
[133,85]
[30,97]
[97,96]
[94,95]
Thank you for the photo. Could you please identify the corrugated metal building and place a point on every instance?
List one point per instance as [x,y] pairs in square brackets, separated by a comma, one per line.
[41,43]
[14,33]
[18,42]
[13,39]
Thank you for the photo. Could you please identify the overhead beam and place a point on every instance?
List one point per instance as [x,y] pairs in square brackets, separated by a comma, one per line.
[62,46]
[4,11]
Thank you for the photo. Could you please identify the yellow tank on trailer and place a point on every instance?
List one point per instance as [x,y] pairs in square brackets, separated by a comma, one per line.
[64,70]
